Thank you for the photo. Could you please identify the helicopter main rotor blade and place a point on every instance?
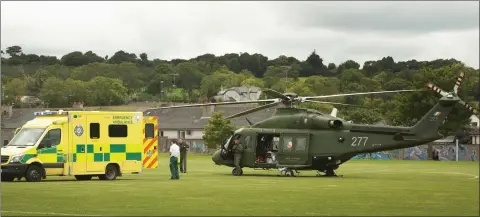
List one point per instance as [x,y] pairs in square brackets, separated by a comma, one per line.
[469,107]
[458,82]
[254,110]
[436,89]
[353,94]
[334,103]
[220,103]
[275,93]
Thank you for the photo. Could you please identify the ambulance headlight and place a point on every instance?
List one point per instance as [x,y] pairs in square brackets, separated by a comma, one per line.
[16,158]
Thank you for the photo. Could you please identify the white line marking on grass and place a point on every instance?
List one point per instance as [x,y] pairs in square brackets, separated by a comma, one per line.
[455,173]
[46,213]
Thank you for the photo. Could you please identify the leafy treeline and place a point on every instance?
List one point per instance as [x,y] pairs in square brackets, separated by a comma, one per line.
[125,77]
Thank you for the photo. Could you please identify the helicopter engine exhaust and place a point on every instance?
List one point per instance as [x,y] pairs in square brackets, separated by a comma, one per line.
[335,123]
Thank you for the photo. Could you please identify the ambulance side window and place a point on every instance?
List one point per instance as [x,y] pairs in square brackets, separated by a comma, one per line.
[94,130]
[149,131]
[117,130]
[51,139]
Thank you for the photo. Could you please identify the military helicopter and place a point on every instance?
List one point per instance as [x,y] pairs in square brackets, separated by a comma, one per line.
[296,139]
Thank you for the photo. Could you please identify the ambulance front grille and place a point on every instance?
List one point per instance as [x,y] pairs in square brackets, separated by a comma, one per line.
[4,159]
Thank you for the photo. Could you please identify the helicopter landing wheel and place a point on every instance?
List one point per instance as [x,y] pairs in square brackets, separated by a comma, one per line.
[328,173]
[289,173]
[237,173]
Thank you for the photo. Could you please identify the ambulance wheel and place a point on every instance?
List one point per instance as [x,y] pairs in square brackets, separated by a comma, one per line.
[7,178]
[34,173]
[83,177]
[111,173]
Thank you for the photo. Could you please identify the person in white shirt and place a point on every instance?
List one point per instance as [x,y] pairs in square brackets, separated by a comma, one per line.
[174,154]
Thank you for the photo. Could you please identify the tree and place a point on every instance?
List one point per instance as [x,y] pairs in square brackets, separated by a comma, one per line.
[14,51]
[217,130]
[14,89]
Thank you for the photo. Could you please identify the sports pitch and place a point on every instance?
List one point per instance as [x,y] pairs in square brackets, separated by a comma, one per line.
[369,187]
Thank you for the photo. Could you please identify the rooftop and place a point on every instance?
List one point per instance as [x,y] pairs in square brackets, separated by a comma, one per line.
[191,118]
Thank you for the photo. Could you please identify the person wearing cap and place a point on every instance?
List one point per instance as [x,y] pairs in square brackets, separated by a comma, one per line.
[183,155]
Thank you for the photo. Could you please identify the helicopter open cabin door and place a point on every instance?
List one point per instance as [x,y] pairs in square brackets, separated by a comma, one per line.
[293,149]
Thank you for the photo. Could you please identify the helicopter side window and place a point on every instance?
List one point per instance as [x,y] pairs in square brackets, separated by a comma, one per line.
[276,141]
[287,144]
[301,144]
[247,143]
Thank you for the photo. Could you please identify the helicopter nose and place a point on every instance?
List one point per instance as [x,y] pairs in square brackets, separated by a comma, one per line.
[216,158]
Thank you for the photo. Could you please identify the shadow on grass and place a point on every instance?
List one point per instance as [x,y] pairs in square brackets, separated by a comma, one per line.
[71,180]
[283,176]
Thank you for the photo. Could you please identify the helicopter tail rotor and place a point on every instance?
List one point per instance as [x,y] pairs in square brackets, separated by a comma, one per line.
[453,93]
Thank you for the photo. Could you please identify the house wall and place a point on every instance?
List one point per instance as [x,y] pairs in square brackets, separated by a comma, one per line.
[233,94]
[175,134]
[238,97]
[474,121]
[7,134]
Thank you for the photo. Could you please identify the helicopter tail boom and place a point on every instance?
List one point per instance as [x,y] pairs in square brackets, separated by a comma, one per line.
[427,127]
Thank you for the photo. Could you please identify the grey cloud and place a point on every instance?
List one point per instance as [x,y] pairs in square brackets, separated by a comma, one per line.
[170,30]
[411,16]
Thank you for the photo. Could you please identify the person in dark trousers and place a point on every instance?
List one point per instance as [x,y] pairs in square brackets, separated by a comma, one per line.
[183,155]
[174,154]
[237,155]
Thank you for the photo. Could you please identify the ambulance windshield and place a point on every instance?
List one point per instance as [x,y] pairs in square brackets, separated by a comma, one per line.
[26,137]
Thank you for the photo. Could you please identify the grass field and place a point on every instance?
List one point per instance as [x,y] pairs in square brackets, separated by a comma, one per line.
[368,188]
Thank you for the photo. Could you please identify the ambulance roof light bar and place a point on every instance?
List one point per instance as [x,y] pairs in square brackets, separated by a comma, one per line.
[48,112]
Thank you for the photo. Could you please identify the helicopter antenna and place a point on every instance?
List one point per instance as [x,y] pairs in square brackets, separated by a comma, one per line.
[249,122]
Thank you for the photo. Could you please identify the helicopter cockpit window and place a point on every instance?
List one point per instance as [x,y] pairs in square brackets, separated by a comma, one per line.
[229,143]
[300,145]
[287,145]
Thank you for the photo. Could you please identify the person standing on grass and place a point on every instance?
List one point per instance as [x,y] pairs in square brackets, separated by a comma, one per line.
[237,155]
[174,154]
[183,155]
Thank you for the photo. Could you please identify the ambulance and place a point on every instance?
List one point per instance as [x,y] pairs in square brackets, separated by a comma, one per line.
[82,144]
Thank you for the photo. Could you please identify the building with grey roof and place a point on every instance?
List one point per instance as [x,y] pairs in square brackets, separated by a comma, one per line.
[189,122]
[238,94]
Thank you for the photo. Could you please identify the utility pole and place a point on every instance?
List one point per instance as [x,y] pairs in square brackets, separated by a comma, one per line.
[456,149]
[286,74]
[161,91]
[1,114]
[174,86]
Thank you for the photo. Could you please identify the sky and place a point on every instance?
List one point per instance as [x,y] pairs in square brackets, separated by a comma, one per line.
[338,31]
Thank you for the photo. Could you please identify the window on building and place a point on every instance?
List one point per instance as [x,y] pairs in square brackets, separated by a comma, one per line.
[117,130]
[181,134]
